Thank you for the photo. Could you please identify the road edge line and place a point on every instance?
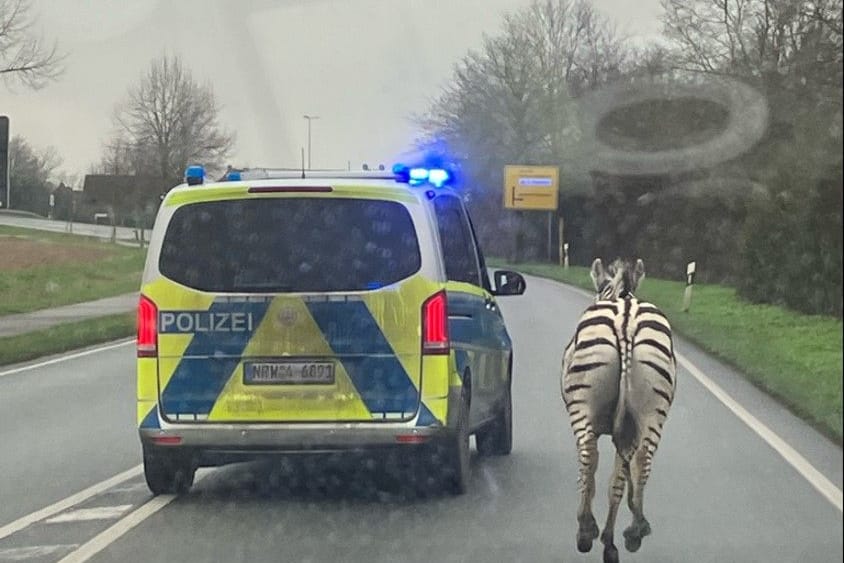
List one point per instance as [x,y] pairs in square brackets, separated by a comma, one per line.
[816,479]
[70,356]
[74,499]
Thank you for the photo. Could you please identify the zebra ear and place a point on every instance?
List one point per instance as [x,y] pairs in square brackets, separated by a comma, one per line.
[597,273]
[638,273]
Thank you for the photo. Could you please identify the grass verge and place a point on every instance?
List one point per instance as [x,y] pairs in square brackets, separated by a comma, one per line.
[794,357]
[74,269]
[58,339]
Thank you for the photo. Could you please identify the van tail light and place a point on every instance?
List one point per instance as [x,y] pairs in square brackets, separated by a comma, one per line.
[167,440]
[435,325]
[147,328]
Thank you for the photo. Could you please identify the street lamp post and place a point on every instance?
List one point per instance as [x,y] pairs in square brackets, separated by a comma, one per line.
[309,118]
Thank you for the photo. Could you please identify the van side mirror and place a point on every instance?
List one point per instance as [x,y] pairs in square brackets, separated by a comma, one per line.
[508,283]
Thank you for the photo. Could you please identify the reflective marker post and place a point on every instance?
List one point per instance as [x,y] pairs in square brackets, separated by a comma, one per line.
[690,281]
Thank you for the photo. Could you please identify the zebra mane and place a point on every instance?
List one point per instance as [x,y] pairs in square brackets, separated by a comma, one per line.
[619,280]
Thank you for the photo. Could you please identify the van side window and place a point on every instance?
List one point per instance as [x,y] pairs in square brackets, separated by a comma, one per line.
[461,261]
[487,285]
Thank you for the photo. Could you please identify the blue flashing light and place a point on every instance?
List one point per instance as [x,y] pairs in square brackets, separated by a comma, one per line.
[417,176]
[233,176]
[194,175]
[438,177]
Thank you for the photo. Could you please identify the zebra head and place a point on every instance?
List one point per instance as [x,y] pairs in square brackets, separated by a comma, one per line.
[618,280]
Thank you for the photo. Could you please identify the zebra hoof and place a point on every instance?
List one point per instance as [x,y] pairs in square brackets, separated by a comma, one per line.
[632,543]
[584,545]
[610,554]
[586,535]
[634,534]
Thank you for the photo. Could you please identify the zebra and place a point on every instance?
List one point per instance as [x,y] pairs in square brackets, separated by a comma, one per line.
[618,379]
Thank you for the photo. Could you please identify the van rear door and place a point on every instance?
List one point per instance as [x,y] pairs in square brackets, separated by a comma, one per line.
[290,309]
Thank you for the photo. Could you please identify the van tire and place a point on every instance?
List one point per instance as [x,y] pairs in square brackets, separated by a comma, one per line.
[457,480]
[496,437]
[168,472]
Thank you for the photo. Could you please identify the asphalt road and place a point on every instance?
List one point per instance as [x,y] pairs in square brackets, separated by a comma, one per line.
[718,492]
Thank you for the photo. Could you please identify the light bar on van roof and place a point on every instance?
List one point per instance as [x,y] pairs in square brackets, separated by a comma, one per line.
[418,175]
[194,175]
[413,176]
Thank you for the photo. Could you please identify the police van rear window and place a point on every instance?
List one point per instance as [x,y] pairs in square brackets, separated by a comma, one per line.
[290,245]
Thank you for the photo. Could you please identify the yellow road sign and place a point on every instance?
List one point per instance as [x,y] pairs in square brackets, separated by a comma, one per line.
[531,187]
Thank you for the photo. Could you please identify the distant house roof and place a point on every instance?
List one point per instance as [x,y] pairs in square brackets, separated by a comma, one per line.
[123,191]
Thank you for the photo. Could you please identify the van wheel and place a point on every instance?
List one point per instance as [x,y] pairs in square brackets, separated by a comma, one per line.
[168,472]
[458,451]
[496,438]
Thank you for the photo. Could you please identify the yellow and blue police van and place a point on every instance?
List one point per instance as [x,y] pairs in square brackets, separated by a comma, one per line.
[287,312]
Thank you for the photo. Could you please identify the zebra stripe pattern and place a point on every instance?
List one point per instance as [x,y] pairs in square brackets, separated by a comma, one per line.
[619,378]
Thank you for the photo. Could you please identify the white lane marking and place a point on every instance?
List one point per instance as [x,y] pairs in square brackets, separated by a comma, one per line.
[131,488]
[67,357]
[31,552]
[68,502]
[110,535]
[96,513]
[815,478]
[118,529]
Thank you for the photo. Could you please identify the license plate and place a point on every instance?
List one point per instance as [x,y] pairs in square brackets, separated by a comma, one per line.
[299,372]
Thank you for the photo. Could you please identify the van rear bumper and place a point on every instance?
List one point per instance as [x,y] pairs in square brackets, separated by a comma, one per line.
[285,438]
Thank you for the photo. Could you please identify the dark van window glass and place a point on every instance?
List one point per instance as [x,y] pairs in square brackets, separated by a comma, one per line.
[461,263]
[290,245]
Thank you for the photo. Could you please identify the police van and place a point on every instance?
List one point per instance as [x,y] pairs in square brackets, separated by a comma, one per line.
[318,312]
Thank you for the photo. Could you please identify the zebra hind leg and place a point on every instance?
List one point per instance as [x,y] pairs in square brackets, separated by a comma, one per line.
[587,529]
[640,468]
[616,493]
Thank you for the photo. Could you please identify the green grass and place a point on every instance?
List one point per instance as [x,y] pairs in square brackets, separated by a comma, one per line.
[118,271]
[796,358]
[14,349]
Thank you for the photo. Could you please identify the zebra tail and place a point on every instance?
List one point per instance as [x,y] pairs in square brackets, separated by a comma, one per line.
[625,431]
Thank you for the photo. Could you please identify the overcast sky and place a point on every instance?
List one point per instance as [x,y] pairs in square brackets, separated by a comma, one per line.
[363,66]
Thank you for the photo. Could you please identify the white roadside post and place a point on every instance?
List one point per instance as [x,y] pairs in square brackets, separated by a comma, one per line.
[690,281]
[566,256]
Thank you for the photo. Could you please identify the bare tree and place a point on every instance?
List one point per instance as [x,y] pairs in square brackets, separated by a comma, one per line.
[765,40]
[31,171]
[167,122]
[512,100]
[120,156]
[24,57]
[790,49]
